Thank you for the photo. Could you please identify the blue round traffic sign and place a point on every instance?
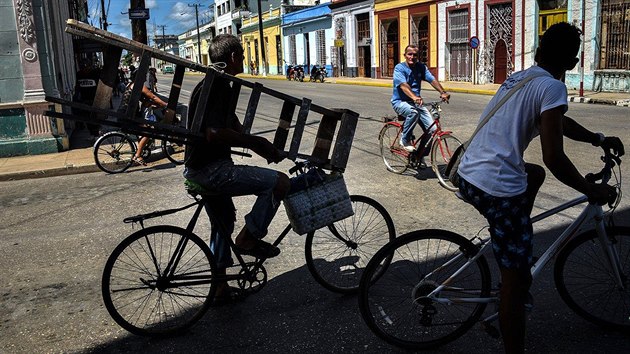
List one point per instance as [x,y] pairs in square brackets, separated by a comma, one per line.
[474,42]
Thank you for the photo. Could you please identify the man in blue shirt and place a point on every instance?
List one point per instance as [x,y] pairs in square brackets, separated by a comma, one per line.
[406,99]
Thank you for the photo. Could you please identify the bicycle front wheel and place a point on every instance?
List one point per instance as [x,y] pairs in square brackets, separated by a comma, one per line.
[113,152]
[586,282]
[394,156]
[336,254]
[395,301]
[174,152]
[158,281]
[441,152]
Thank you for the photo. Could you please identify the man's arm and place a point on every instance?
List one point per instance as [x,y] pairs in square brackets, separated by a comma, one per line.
[551,139]
[409,92]
[445,96]
[574,131]
[257,144]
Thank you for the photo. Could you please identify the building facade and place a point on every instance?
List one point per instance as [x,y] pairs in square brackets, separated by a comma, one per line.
[352,53]
[38,60]
[250,39]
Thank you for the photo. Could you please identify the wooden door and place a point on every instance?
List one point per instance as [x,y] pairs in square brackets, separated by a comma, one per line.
[500,62]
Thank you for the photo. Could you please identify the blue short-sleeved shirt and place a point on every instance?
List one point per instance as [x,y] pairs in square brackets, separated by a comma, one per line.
[412,76]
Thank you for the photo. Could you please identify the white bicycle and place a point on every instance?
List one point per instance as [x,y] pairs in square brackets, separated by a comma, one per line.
[428,287]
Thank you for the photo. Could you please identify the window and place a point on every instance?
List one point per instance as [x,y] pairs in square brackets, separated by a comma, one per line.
[320,42]
[363,27]
[292,50]
[615,35]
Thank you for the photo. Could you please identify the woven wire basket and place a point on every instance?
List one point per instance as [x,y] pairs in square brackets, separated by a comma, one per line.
[319,205]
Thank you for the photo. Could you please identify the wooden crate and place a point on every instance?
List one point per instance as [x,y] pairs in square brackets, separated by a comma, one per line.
[334,134]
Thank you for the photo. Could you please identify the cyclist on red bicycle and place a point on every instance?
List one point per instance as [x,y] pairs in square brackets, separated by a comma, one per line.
[406,99]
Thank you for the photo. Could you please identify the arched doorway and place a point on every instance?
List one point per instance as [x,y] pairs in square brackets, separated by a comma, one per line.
[500,62]
[389,47]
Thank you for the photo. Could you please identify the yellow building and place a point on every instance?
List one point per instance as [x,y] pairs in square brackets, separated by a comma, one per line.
[250,40]
[398,23]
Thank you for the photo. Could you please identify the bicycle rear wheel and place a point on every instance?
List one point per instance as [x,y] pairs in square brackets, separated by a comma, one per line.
[175,152]
[113,152]
[336,254]
[586,282]
[394,156]
[393,300]
[143,296]
[443,148]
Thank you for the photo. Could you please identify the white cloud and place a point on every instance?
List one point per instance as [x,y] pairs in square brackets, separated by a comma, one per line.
[150,4]
[183,14]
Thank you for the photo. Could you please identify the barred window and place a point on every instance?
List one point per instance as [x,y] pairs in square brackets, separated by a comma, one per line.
[615,35]
[363,27]
[458,26]
[292,50]
[320,41]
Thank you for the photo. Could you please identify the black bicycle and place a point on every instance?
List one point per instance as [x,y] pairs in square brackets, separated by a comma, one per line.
[161,279]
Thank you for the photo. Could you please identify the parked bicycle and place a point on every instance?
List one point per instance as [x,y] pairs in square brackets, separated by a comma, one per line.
[161,279]
[438,283]
[114,151]
[440,146]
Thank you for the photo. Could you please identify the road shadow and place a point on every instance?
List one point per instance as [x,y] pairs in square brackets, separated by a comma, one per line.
[294,314]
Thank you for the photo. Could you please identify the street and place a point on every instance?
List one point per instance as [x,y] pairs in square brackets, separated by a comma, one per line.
[56,234]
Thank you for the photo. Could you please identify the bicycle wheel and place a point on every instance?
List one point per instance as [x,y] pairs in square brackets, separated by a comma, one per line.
[443,148]
[336,255]
[394,156]
[586,283]
[150,291]
[174,152]
[393,300]
[113,152]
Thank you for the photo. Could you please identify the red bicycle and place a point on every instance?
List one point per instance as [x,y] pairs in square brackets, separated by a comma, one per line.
[442,145]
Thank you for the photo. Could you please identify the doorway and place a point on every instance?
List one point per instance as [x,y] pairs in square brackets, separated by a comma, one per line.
[365,61]
[500,62]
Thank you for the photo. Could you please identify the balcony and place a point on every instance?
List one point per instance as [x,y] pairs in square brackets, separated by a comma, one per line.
[238,14]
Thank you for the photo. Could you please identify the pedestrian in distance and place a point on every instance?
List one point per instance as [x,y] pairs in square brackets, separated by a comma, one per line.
[210,165]
[497,181]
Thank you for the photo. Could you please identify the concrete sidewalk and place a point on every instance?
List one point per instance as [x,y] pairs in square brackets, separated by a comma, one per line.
[81,160]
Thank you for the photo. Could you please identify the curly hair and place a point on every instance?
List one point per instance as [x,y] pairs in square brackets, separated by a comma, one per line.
[222,47]
[560,43]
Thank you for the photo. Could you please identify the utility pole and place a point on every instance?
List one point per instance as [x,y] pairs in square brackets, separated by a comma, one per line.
[581,91]
[138,27]
[262,40]
[163,39]
[103,16]
[196,5]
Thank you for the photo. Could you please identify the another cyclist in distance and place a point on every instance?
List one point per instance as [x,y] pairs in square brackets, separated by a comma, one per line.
[211,166]
[502,186]
[406,99]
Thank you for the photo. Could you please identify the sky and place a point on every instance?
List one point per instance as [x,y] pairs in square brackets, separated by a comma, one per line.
[177,16]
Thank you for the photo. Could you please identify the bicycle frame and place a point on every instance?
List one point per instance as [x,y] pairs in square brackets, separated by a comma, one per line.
[590,212]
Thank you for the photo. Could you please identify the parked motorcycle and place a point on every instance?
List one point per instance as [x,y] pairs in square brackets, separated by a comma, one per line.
[290,72]
[299,73]
[318,73]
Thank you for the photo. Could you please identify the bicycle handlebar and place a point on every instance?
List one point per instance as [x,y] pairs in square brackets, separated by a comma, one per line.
[610,161]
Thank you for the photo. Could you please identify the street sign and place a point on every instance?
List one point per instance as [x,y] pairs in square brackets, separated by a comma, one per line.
[138,14]
[339,43]
[474,42]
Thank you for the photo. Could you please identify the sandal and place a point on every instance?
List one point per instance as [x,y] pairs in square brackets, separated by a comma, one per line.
[138,161]
[260,250]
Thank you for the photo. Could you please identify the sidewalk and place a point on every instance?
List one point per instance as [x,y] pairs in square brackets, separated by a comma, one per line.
[81,160]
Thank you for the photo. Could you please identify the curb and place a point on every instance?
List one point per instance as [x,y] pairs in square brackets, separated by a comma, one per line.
[59,171]
[621,103]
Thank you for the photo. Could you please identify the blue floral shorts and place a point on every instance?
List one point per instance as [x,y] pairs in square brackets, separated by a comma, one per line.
[510,226]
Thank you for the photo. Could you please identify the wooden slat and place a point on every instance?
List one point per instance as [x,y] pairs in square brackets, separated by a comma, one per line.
[282,132]
[251,108]
[236,91]
[325,135]
[195,127]
[136,92]
[299,128]
[103,96]
[343,142]
[173,97]
[86,107]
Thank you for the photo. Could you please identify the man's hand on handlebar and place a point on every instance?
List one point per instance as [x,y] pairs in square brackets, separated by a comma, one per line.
[445,96]
[614,144]
[269,152]
[418,101]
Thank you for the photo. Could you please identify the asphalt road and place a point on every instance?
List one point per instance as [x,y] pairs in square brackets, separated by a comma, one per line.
[56,234]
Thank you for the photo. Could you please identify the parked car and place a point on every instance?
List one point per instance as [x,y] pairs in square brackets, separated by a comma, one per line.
[168,70]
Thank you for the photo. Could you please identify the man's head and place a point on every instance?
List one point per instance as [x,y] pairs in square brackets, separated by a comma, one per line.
[227,49]
[411,54]
[559,47]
